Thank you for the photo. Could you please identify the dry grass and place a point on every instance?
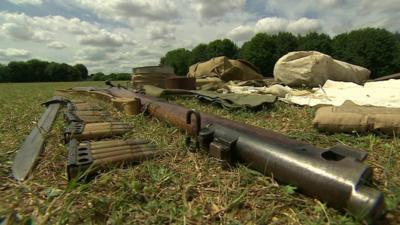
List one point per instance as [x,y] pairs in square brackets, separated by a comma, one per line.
[179,187]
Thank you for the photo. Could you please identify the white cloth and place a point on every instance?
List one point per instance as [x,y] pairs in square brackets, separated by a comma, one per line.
[277,90]
[379,93]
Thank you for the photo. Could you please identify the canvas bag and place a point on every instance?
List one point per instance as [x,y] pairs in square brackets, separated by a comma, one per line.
[312,69]
[350,117]
[225,69]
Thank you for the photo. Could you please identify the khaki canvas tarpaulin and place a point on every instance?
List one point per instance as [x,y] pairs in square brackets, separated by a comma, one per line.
[228,101]
[312,69]
[350,117]
[225,69]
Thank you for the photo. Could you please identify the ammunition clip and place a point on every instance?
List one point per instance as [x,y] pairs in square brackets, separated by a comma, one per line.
[79,158]
[72,129]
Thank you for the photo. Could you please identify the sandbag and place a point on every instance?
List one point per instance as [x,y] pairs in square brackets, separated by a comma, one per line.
[350,117]
[225,69]
[312,68]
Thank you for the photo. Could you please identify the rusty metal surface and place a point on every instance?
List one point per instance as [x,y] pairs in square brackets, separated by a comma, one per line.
[185,83]
[336,176]
[153,75]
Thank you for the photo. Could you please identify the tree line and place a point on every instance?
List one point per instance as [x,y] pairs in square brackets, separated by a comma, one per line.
[41,71]
[374,48]
[112,76]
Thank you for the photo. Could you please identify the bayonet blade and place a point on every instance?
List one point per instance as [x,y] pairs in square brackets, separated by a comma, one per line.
[30,150]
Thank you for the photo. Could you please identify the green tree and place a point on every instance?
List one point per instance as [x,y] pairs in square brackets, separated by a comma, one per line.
[19,72]
[396,60]
[38,68]
[223,47]
[62,72]
[199,54]
[373,48]
[179,59]
[82,70]
[122,76]
[261,51]
[315,42]
[285,42]
[99,76]
[3,73]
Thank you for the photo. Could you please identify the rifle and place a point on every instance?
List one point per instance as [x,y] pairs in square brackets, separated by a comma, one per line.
[336,175]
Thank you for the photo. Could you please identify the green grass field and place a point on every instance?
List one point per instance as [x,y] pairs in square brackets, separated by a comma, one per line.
[179,187]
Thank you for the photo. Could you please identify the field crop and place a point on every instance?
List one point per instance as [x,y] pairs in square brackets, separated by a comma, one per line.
[179,187]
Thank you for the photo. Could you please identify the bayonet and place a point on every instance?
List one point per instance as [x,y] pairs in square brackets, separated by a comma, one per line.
[28,153]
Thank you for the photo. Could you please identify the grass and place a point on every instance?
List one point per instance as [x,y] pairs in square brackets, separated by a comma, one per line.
[179,187]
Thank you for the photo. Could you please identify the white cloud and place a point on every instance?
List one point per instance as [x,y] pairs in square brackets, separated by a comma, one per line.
[42,29]
[209,9]
[304,25]
[93,54]
[10,54]
[13,30]
[276,24]
[122,9]
[240,33]
[104,38]
[21,2]
[271,25]
[23,32]
[21,27]
[338,16]
[57,45]
[161,31]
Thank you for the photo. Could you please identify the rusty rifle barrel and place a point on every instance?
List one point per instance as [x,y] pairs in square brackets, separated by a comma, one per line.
[336,176]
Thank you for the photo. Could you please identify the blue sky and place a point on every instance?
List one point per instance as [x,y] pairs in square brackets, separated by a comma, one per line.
[116,35]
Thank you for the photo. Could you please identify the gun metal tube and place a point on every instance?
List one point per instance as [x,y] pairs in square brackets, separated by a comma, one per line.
[128,157]
[106,144]
[121,152]
[321,173]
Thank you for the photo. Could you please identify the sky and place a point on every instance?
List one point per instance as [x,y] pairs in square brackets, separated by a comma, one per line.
[117,35]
